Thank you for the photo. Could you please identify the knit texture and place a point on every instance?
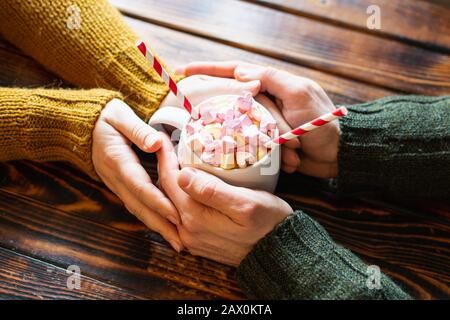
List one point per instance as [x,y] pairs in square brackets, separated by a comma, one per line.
[399,146]
[101,53]
[50,125]
[298,260]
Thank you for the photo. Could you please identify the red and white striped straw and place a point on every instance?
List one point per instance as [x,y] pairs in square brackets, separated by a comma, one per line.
[307,127]
[164,75]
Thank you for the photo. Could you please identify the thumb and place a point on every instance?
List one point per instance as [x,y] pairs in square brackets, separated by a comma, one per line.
[213,192]
[123,119]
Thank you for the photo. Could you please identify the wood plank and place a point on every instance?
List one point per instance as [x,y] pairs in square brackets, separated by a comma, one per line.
[81,202]
[147,268]
[304,41]
[420,23]
[22,277]
[19,70]
[410,244]
[178,48]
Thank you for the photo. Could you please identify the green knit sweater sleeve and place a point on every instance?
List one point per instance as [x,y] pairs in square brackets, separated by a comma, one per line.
[398,144]
[298,260]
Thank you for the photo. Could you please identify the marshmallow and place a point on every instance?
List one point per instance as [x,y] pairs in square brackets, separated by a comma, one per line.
[252,146]
[193,127]
[194,142]
[228,144]
[208,157]
[267,123]
[240,139]
[255,113]
[262,152]
[205,136]
[244,104]
[243,158]
[215,130]
[227,161]
[209,116]
[229,114]
[190,129]
[217,156]
[263,139]
[251,132]
[245,120]
[214,145]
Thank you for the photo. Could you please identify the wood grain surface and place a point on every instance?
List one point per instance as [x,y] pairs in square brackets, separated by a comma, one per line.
[403,20]
[53,216]
[361,56]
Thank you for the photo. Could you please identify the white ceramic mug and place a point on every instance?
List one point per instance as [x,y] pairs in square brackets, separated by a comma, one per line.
[260,175]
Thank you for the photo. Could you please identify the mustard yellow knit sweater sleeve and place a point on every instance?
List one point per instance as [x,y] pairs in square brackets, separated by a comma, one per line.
[87,43]
[50,125]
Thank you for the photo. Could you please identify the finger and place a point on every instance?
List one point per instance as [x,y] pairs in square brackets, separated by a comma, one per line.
[288,169]
[283,126]
[213,192]
[150,218]
[318,169]
[223,69]
[290,157]
[277,82]
[123,119]
[168,169]
[136,179]
[222,86]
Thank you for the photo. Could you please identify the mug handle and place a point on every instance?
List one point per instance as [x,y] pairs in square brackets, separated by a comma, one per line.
[172,116]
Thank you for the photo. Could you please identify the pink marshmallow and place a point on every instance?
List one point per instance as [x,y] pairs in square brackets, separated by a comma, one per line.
[229,114]
[214,145]
[255,113]
[228,144]
[245,120]
[209,116]
[205,137]
[208,157]
[268,122]
[251,132]
[244,104]
[190,129]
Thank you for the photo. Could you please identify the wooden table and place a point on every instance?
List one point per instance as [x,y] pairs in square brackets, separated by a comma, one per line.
[52,216]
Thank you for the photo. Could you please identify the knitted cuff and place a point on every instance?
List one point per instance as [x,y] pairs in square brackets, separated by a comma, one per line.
[141,86]
[50,125]
[396,145]
[298,260]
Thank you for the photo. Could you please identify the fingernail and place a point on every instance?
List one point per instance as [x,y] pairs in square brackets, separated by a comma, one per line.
[253,84]
[187,174]
[177,246]
[180,70]
[244,73]
[150,140]
[173,220]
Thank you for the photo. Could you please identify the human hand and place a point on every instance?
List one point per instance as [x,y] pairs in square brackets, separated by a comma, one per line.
[199,88]
[120,169]
[218,221]
[300,100]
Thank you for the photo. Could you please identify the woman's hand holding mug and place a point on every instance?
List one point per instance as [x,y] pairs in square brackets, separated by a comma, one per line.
[218,221]
[299,100]
[119,167]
